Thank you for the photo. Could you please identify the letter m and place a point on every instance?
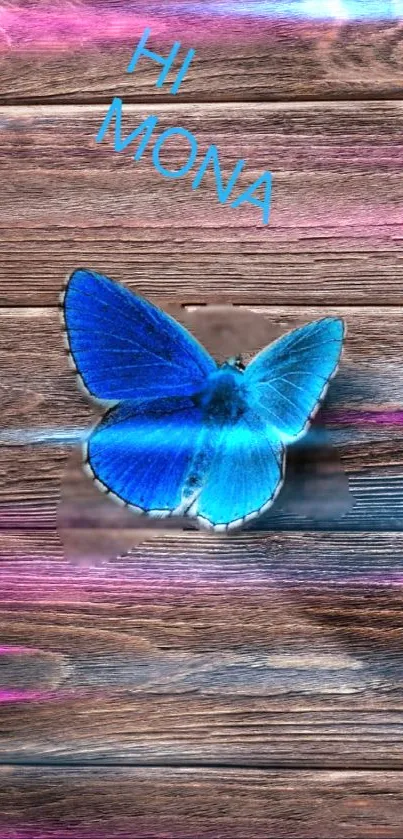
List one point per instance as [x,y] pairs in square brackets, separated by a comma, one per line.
[115,112]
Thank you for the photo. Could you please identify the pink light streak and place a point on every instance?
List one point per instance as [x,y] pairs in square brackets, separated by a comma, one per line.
[13,650]
[359,418]
[62,27]
[48,28]
[12,695]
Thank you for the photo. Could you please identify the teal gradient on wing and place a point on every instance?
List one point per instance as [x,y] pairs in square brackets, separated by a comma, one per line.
[245,473]
[290,377]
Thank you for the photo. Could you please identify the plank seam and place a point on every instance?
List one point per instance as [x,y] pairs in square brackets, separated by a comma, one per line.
[392,96]
[252,767]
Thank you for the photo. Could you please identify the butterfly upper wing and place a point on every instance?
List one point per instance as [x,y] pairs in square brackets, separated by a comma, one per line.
[124,347]
[290,378]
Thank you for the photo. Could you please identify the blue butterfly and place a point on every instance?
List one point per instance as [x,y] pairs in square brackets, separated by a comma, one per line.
[184,436]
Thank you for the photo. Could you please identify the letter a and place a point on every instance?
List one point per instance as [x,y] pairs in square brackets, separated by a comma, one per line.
[248,195]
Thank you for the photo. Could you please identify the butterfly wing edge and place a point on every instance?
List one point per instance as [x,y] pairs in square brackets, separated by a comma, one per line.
[324,390]
[106,403]
[236,524]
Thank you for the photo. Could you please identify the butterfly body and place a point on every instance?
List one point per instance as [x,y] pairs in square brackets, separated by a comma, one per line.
[224,396]
[184,436]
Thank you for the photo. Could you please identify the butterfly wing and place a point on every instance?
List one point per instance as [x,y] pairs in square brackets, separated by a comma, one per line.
[125,348]
[290,378]
[162,458]
[245,475]
[148,456]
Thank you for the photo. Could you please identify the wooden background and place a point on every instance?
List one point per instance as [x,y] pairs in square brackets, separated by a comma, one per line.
[197,686]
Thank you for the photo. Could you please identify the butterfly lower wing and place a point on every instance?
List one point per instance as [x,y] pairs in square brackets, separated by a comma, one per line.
[162,459]
[245,475]
[290,378]
[125,348]
[147,456]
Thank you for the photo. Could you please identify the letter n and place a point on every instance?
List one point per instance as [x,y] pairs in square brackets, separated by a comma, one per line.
[115,112]
[223,193]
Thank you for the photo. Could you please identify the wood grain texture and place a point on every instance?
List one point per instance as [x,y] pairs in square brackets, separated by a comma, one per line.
[335,233]
[169,803]
[140,670]
[279,649]
[43,411]
[79,52]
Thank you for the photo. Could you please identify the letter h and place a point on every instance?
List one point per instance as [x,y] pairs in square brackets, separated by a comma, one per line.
[166,62]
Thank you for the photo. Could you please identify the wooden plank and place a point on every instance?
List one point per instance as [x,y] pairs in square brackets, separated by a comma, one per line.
[44,413]
[149,803]
[280,649]
[40,391]
[335,232]
[80,52]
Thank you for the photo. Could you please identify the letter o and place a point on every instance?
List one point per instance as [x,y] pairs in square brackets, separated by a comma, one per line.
[168,173]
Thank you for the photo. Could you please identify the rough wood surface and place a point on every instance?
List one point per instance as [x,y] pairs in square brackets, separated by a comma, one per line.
[145,803]
[335,233]
[139,671]
[80,52]
[282,649]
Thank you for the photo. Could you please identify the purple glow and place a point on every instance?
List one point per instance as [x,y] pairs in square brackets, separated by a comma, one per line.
[11,695]
[149,576]
[50,831]
[360,418]
[47,27]
[302,9]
